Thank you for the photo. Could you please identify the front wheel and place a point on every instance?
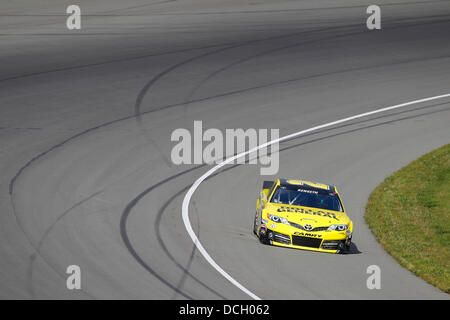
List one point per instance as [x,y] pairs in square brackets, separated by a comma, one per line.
[264,237]
[344,246]
[348,244]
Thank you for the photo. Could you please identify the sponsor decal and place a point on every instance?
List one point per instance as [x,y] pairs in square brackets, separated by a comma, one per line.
[308,191]
[306,234]
[308,211]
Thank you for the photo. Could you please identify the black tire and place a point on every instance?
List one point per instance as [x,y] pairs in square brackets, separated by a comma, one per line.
[264,239]
[347,248]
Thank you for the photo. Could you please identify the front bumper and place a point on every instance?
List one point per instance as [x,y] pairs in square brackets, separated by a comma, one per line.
[322,241]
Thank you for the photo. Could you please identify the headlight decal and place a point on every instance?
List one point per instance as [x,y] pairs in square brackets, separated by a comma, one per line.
[278,219]
[338,227]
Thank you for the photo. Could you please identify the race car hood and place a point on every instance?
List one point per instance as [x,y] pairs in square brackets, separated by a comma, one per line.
[306,215]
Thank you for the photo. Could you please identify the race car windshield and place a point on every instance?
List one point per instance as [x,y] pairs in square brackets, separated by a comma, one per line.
[313,198]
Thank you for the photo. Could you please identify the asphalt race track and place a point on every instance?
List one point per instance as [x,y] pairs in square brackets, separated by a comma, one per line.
[86,117]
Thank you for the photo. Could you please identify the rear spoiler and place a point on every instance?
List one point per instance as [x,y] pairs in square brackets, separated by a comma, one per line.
[268,184]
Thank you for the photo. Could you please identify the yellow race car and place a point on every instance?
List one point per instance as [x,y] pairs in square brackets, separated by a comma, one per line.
[303,215]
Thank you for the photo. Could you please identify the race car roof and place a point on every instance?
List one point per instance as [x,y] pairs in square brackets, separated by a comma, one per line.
[307,184]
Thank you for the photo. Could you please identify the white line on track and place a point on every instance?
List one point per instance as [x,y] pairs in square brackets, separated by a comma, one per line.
[196,184]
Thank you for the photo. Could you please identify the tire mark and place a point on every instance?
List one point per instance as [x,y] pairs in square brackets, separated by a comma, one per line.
[155,79]
[40,155]
[36,253]
[224,169]
[185,270]
[109,62]
[141,6]
[319,75]
[260,54]
[29,163]
[44,236]
[126,239]
[301,9]
[151,82]
[143,92]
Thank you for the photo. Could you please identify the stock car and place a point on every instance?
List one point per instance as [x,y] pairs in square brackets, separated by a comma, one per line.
[302,215]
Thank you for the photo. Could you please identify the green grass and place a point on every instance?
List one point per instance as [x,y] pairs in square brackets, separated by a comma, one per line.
[409,214]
